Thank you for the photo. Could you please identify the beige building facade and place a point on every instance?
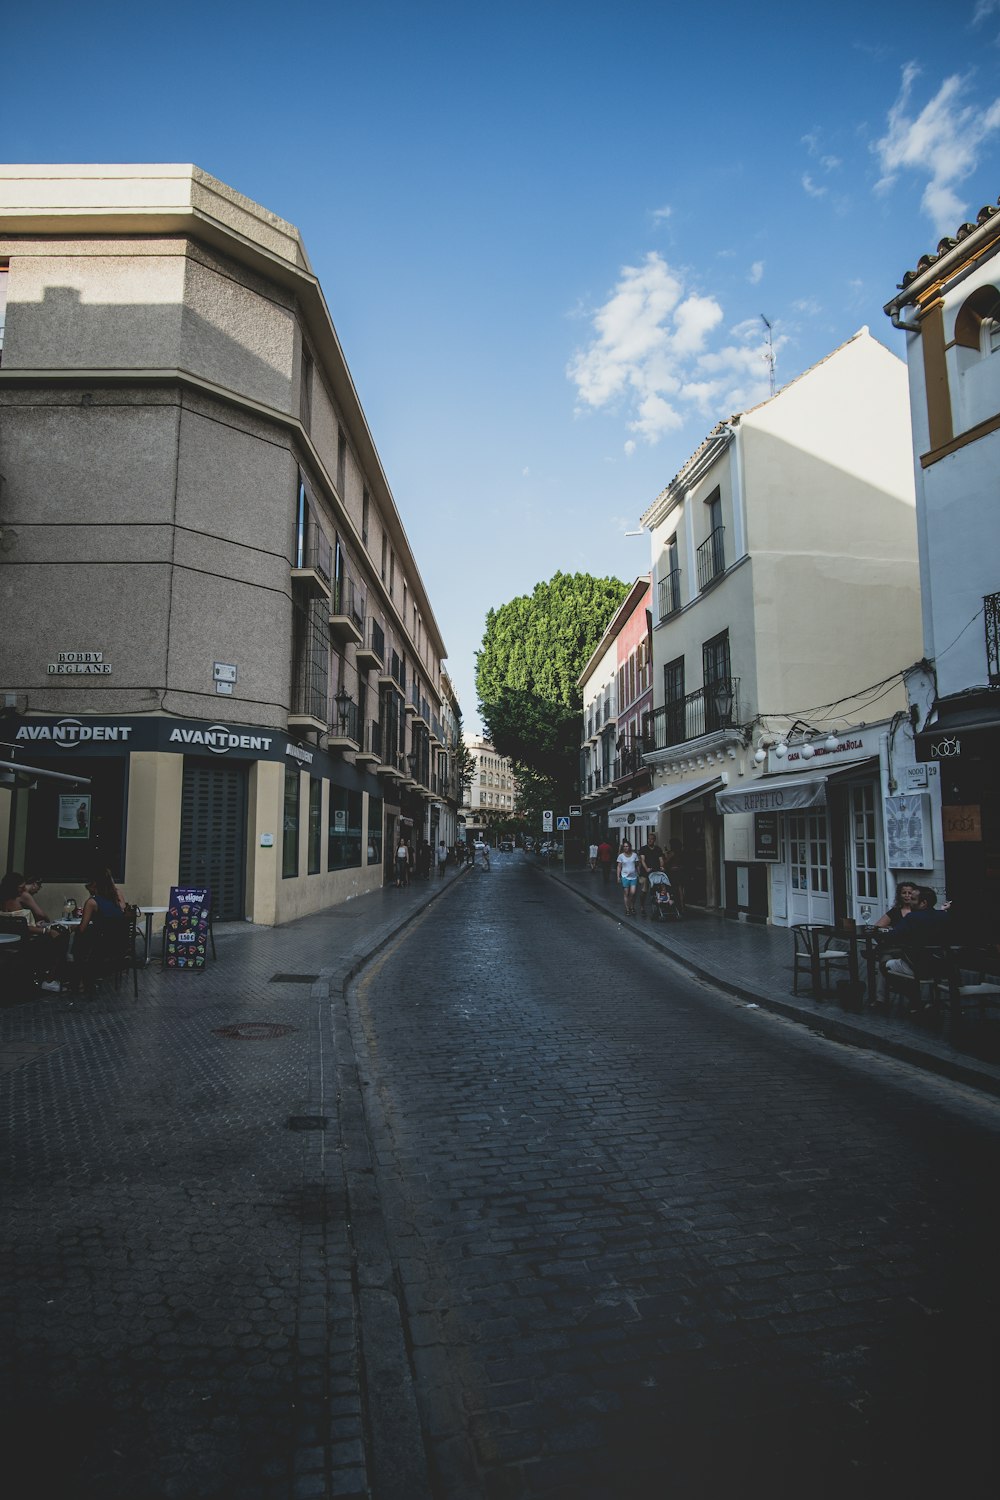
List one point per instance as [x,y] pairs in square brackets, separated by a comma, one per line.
[216,621]
[491,796]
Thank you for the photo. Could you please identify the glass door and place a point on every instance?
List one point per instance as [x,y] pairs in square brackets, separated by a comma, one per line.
[867,902]
[808,863]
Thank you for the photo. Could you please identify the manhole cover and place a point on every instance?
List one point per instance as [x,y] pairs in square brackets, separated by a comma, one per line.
[254,1031]
[308,1122]
[293,978]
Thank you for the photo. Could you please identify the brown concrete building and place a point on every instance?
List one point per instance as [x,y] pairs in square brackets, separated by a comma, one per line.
[212,612]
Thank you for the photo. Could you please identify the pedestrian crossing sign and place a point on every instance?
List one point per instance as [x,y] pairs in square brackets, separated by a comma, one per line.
[562,825]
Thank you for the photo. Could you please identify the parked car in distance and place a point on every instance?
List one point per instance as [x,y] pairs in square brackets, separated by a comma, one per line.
[506,847]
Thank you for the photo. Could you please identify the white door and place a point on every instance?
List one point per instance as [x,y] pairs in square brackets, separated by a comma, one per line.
[867,882]
[808,863]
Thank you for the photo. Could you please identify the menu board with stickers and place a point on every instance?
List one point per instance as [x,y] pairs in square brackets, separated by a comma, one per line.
[185,935]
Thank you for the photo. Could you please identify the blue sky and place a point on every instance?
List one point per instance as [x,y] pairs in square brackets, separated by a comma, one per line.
[547,232]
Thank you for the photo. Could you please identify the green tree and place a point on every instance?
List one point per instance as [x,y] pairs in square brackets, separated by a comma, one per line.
[534,649]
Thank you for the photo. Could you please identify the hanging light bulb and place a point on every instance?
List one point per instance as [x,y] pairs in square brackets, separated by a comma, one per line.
[759,756]
[830,743]
[808,751]
[781,749]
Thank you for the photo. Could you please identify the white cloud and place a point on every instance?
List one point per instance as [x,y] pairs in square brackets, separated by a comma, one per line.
[755,273]
[662,213]
[650,355]
[941,143]
[811,187]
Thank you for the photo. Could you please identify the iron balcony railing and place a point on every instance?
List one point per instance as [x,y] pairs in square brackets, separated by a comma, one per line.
[711,558]
[670,593]
[373,738]
[310,661]
[691,717]
[313,551]
[628,761]
[349,600]
[347,721]
[397,671]
[375,639]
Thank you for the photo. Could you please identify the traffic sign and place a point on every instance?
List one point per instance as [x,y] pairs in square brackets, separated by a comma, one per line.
[546,822]
[562,825]
[575,811]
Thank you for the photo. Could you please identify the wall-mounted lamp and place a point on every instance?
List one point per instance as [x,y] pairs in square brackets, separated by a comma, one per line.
[342,698]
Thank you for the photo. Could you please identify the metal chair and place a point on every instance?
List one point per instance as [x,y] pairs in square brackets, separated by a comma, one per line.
[812,946]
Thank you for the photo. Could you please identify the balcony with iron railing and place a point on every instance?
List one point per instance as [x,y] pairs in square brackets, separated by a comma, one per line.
[371,744]
[371,651]
[669,593]
[628,761]
[347,612]
[308,709]
[312,561]
[345,731]
[712,708]
[711,558]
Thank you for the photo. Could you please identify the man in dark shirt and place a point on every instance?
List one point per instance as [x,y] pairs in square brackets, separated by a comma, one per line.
[604,860]
[649,861]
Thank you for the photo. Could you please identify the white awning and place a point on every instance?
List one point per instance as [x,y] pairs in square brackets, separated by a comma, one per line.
[785,793]
[646,808]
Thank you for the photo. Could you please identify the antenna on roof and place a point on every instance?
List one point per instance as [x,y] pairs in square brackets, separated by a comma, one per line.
[769,352]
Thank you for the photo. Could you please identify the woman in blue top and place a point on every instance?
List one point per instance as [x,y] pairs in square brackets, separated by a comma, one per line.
[102,924]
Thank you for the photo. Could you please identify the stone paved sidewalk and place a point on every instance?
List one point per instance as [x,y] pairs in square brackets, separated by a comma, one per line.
[754,962]
[195,1299]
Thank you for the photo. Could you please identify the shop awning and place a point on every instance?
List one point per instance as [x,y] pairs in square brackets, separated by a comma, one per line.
[788,793]
[645,809]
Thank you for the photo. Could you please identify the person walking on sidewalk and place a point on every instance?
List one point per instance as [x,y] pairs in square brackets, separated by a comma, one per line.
[593,856]
[402,864]
[442,856]
[649,864]
[628,876]
[604,860]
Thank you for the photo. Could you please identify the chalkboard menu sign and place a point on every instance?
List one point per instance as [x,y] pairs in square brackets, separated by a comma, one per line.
[185,936]
[765,836]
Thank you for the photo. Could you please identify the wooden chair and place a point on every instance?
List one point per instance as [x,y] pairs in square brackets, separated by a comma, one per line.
[970,981]
[113,952]
[813,938]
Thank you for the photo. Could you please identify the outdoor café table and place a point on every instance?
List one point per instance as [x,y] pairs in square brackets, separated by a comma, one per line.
[149,912]
[861,942]
[9,937]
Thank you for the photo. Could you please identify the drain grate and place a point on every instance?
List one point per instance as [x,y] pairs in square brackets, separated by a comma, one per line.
[254,1031]
[308,1122]
[293,978]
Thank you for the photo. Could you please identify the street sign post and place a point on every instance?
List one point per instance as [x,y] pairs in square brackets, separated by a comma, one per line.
[562,825]
[546,822]
[575,811]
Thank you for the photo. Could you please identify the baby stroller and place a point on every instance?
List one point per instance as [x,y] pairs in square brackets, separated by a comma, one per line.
[663,901]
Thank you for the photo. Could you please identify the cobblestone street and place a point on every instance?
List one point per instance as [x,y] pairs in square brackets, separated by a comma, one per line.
[654,1242]
[518,1208]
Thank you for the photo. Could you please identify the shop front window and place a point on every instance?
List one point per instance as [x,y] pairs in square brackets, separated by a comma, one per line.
[290,825]
[343,843]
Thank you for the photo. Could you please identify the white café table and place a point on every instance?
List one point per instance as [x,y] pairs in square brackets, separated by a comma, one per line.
[10,937]
[149,912]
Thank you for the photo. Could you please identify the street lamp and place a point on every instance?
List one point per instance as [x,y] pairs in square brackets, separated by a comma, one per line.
[342,698]
[722,698]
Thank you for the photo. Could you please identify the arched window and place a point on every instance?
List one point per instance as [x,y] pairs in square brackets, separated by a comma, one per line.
[978,323]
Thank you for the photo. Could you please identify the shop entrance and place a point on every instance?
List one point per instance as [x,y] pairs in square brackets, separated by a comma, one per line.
[809,896]
[214,833]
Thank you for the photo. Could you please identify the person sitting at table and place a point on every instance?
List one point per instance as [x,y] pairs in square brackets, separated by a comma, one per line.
[32,885]
[923,926]
[46,948]
[102,928]
[907,896]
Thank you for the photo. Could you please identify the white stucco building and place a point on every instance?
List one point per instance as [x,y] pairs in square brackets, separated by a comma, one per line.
[785,583]
[948,308]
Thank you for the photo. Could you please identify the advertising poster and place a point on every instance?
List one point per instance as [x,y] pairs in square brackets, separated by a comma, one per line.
[185,937]
[74,817]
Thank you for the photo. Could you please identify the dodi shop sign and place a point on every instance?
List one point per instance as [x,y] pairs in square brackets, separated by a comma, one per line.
[185,936]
